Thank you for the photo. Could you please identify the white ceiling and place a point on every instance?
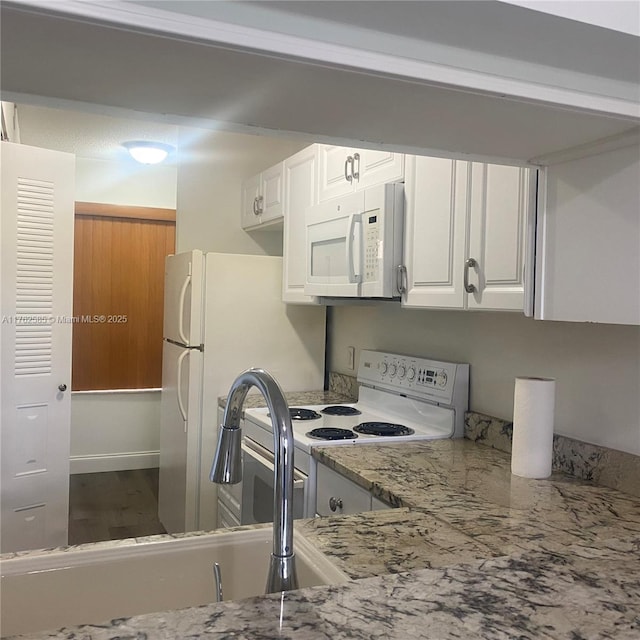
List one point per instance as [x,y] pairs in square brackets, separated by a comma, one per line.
[96,66]
[88,135]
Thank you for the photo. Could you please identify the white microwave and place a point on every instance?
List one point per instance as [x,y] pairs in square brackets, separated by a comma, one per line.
[354,244]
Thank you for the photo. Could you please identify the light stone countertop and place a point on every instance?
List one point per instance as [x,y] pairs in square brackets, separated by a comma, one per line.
[294,399]
[471,552]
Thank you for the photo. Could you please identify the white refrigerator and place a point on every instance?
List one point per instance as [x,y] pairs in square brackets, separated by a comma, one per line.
[223,313]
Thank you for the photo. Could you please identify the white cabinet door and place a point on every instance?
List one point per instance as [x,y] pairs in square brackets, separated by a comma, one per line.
[497,236]
[262,198]
[334,172]
[250,193]
[468,224]
[301,191]
[378,505]
[271,194]
[374,167]
[589,230]
[435,232]
[337,495]
[35,344]
[342,170]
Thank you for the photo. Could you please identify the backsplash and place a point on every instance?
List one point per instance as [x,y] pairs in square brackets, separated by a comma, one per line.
[343,384]
[606,467]
[602,466]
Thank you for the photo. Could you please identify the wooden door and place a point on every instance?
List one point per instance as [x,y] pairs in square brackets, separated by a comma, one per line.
[35,344]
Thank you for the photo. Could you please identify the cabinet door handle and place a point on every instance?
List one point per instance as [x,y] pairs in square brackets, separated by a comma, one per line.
[335,503]
[401,278]
[260,200]
[217,582]
[348,175]
[355,172]
[255,206]
[469,263]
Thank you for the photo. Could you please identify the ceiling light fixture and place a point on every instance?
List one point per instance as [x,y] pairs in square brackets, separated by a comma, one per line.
[148,152]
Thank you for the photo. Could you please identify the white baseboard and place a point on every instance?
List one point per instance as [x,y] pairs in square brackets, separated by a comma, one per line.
[114,462]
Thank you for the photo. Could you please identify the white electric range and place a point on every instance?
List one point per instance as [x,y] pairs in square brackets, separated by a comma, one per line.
[401,399]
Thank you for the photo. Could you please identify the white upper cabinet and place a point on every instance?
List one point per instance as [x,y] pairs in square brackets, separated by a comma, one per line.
[343,170]
[262,198]
[300,192]
[435,232]
[588,246]
[467,232]
[497,246]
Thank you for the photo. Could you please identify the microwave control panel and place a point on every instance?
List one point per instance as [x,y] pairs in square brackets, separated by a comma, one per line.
[371,246]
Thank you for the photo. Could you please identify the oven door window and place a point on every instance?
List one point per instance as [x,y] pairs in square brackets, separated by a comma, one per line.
[257,486]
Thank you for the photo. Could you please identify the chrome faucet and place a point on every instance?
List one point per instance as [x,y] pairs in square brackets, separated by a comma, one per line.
[227,468]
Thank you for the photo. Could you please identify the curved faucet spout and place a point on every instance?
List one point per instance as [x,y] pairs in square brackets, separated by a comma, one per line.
[226,467]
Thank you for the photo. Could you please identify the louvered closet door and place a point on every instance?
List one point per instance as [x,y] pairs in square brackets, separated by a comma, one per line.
[35,339]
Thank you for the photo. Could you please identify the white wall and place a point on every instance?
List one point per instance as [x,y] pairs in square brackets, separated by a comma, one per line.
[126,182]
[112,431]
[212,166]
[596,366]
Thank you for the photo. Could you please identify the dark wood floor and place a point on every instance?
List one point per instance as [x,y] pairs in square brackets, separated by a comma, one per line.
[113,505]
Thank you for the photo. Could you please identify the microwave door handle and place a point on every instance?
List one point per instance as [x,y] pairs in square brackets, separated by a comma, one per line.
[354,277]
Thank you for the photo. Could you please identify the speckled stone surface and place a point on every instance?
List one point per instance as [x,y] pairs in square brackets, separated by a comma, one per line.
[606,467]
[122,542]
[344,385]
[294,399]
[489,556]
[472,489]
[528,596]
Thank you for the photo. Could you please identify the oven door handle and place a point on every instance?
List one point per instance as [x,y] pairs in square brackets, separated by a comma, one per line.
[265,458]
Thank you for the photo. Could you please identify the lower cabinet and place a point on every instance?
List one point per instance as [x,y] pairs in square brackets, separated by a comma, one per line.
[335,494]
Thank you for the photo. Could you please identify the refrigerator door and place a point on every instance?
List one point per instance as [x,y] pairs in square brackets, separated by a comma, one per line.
[248,325]
[180,438]
[183,279]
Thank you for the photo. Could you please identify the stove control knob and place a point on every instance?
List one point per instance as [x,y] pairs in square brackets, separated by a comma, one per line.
[335,503]
[442,378]
[402,371]
[384,367]
[392,370]
[411,375]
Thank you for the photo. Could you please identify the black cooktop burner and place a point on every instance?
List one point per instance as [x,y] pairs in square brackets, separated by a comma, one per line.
[383,429]
[332,433]
[341,410]
[303,414]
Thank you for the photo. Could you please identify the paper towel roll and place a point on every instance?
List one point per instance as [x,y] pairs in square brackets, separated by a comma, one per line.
[533,418]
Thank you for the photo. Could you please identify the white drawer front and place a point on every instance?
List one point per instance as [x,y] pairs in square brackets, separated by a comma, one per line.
[336,494]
